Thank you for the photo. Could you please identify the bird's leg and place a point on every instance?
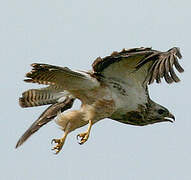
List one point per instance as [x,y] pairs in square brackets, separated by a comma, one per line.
[84,136]
[60,142]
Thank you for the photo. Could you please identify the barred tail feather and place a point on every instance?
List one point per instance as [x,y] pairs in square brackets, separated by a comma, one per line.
[38,97]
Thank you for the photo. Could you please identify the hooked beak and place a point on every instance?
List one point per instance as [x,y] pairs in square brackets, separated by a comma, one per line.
[170,118]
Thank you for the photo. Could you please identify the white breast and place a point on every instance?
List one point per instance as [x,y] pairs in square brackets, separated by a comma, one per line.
[128,97]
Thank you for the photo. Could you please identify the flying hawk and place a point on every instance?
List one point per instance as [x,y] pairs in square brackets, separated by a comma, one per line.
[115,88]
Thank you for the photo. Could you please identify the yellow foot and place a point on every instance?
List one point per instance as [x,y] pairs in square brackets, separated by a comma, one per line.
[83,137]
[58,147]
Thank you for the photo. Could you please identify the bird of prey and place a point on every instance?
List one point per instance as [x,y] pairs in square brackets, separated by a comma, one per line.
[115,88]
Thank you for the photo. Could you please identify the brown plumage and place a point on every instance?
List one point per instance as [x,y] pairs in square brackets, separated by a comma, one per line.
[115,88]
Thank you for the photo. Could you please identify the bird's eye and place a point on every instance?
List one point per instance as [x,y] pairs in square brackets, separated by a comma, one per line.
[161,111]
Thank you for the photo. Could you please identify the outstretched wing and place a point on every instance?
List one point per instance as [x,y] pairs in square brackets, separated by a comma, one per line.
[61,76]
[142,65]
[49,114]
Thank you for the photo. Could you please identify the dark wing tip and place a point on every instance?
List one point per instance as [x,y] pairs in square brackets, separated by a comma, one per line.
[175,51]
[19,143]
[33,128]
[163,66]
[49,114]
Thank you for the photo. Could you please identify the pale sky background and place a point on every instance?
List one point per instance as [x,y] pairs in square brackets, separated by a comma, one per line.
[73,33]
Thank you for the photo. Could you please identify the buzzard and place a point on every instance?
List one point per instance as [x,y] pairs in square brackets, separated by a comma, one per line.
[115,88]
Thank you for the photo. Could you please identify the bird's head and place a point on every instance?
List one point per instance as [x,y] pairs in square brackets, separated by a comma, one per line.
[158,113]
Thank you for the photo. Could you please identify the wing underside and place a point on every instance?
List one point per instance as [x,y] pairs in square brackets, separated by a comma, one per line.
[141,64]
[61,76]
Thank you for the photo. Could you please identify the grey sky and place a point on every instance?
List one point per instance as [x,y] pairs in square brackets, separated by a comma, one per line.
[73,33]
